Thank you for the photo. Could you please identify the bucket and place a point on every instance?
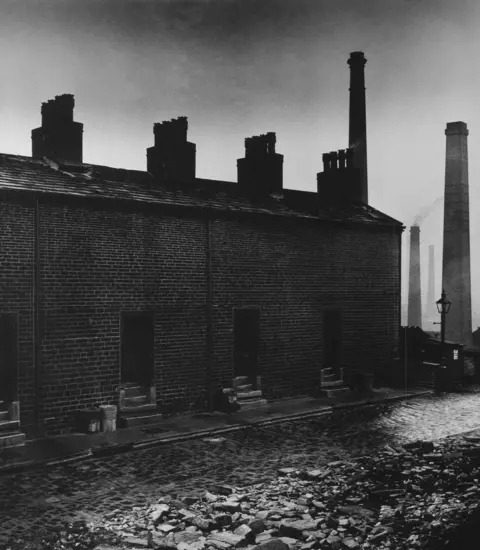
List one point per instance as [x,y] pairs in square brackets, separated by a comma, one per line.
[109,418]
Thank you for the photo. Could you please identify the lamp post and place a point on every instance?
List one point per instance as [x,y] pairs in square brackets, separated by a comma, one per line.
[443,307]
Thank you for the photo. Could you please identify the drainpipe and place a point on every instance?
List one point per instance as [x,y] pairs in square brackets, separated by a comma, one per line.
[209,331]
[36,317]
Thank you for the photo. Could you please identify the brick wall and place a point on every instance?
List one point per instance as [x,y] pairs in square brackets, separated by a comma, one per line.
[96,262]
[16,290]
[293,273]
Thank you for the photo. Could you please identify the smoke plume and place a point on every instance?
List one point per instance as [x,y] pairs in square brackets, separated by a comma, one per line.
[426,211]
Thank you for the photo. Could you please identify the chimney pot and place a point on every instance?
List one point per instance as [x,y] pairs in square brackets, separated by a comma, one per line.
[262,168]
[172,157]
[59,137]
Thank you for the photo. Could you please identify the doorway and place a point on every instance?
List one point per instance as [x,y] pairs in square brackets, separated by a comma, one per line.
[8,357]
[246,336]
[332,339]
[137,348]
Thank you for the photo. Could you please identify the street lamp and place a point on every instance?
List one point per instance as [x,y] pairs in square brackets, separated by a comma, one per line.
[443,307]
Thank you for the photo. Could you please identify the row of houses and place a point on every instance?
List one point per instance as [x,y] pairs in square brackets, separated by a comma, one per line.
[179,284]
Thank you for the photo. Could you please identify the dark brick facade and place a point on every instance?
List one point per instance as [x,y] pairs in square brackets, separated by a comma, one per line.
[97,260]
[84,246]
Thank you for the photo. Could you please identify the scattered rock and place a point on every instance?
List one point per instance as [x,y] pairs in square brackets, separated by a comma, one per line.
[226,490]
[136,542]
[286,471]
[291,543]
[228,538]
[166,528]
[295,529]
[227,506]
[223,520]
[257,526]
[273,544]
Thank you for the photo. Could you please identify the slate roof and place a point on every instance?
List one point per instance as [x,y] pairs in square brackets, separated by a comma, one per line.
[26,174]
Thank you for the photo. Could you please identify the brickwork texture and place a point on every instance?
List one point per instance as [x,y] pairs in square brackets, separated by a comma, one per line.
[96,262]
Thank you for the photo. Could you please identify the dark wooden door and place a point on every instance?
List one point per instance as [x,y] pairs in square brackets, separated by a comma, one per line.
[137,348]
[246,330]
[332,338]
[8,357]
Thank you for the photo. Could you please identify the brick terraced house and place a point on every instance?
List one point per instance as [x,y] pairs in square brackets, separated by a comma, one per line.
[170,284]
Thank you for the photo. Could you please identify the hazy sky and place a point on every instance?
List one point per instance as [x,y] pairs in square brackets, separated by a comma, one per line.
[241,67]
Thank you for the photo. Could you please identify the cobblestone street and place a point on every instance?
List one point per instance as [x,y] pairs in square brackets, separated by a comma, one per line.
[36,503]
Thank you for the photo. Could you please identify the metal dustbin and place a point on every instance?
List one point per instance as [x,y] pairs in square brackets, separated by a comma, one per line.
[109,418]
[88,420]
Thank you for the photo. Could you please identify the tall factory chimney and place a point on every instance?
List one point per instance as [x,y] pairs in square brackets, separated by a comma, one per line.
[456,236]
[431,309]
[414,281]
[357,133]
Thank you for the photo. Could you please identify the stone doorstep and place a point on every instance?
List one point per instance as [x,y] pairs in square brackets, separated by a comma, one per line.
[332,384]
[239,381]
[9,425]
[136,400]
[15,439]
[248,394]
[141,420]
[335,392]
[252,404]
[4,415]
[135,391]
[244,388]
[138,408]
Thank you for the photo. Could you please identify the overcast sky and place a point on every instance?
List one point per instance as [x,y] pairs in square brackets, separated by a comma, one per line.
[236,68]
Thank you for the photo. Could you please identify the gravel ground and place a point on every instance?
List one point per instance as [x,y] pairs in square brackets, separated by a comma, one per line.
[38,504]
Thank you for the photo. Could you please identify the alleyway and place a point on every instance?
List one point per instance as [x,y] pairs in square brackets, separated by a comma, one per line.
[38,502]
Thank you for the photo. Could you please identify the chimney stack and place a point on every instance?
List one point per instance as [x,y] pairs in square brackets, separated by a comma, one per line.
[59,137]
[340,180]
[261,170]
[431,312]
[414,281]
[456,235]
[172,158]
[357,135]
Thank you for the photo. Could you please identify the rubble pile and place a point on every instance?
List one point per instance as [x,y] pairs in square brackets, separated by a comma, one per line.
[402,497]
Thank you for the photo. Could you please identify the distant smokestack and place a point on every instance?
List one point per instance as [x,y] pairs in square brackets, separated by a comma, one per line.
[456,235]
[414,281]
[357,138]
[431,308]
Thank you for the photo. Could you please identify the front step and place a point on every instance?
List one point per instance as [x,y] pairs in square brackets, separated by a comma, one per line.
[332,384]
[4,416]
[135,400]
[243,388]
[247,395]
[13,439]
[9,425]
[131,420]
[336,392]
[141,408]
[135,391]
[252,404]
[240,381]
